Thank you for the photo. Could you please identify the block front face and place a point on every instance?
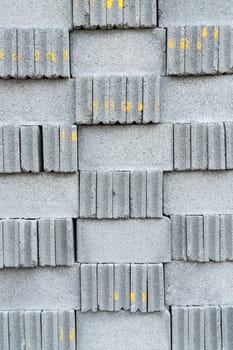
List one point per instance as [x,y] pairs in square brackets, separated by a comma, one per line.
[117,52]
[123,330]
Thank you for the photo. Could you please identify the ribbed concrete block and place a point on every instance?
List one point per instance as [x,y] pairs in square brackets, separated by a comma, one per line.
[88,194]
[227,319]
[84,99]
[64,242]
[26,64]
[46,242]
[115,14]
[195,238]
[105,287]
[182,146]
[179,237]
[180,328]
[155,287]
[191,45]
[49,330]
[11,243]
[101,102]
[153,331]
[128,241]
[216,146]
[226,234]
[120,200]
[212,242]
[4,330]
[98,14]
[122,287]
[28,248]
[138,194]
[33,329]
[134,106]
[119,147]
[117,100]
[89,287]
[199,142]
[81,14]
[225,53]
[66,330]
[138,294]
[175,50]
[229,144]
[104,195]
[51,148]
[213,328]
[68,149]
[11,149]
[151,99]
[17,330]
[148,45]
[196,329]
[31,149]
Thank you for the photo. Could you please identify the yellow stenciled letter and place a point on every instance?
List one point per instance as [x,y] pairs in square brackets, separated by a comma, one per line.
[184,43]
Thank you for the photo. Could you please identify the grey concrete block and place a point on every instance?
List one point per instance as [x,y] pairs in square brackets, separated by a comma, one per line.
[216,146]
[196,329]
[147,45]
[117,96]
[213,330]
[119,147]
[195,238]
[1,151]
[210,49]
[101,102]
[128,241]
[212,238]
[138,195]
[11,242]
[124,330]
[198,192]
[10,56]
[148,13]
[84,99]
[155,287]
[11,149]
[178,237]
[154,194]
[227,322]
[120,199]
[46,242]
[66,330]
[81,14]
[195,99]
[37,102]
[176,43]
[4,330]
[229,144]
[30,149]
[214,285]
[151,99]
[134,106]
[39,195]
[104,195]
[115,12]
[43,52]
[182,146]
[188,12]
[26,55]
[105,287]
[1,245]
[33,330]
[225,53]
[132,13]
[41,287]
[49,321]
[64,242]
[122,287]
[226,242]
[180,328]
[60,55]
[199,142]
[51,148]
[88,189]
[17,330]
[88,287]
[98,14]
[193,50]
[28,249]
[68,149]
[139,291]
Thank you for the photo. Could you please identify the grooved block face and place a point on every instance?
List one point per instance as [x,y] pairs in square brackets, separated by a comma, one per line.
[119,147]
[127,241]
[124,330]
[214,284]
[187,12]
[40,195]
[43,13]
[41,287]
[198,193]
[146,46]
[41,102]
[191,99]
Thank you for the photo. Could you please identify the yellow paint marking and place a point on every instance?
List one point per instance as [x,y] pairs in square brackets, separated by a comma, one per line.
[140,106]
[199,44]
[92,2]
[109,3]
[116,296]
[143,297]
[184,43]
[2,54]
[16,57]
[126,106]
[132,297]
[216,32]
[37,55]
[63,135]
[96,105]
[74,136]
[204,32]
[157,104]
[109,105]
[171,43]
[51,56]
[66,55]
[121,4]
[72,335]
[61,335]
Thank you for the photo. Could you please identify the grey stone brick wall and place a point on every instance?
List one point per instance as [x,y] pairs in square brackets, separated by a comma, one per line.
[116,168]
